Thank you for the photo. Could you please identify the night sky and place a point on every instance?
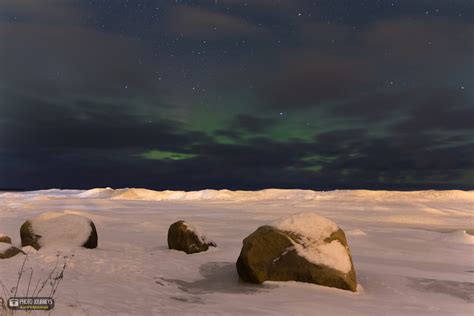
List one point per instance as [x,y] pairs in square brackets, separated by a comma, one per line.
[329,94]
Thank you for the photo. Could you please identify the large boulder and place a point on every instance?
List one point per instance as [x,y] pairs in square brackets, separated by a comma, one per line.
[188,238]
[8,251]
[59,230]
[304,247]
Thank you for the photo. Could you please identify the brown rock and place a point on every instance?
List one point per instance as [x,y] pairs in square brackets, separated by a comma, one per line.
[269,254]
[182,237]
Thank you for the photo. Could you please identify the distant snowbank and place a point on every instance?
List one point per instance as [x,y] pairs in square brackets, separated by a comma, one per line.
[150,195]
[267,194]
[41,194]
[222,195]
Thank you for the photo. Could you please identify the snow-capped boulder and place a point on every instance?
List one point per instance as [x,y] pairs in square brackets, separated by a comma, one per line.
[304,247]
[188,238]
[59,230]
[8,251]
[5,239]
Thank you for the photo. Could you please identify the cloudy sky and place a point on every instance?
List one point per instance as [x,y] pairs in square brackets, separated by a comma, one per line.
[237,94]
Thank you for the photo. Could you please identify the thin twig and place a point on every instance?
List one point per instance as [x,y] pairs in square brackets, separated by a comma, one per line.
[29,282]
[36,287]
[49,277]
[20,274]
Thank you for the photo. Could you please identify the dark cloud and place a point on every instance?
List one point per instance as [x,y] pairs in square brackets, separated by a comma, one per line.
[442,119]
[204,24]
[418,42]
[244,125]
[81,59]
[422,108]
[348,64]
[340,136]
[252,124]
[346,158]
[274,11]
[377,106]
[86,124]
[324,36]
[309,79]
[51,11]
[356,161]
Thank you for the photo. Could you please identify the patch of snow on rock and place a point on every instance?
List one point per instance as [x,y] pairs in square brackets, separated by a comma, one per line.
[198,231]
[28,250]
[61,229]
[314,229]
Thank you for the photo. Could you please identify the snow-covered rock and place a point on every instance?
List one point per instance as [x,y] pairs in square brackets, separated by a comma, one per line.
[303,247]
[58,230]
[8,251]
[5,239]
[189,238]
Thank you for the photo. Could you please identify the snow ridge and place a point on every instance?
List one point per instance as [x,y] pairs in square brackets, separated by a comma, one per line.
[267,194]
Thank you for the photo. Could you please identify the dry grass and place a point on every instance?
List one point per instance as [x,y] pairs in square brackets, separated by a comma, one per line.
[28,285]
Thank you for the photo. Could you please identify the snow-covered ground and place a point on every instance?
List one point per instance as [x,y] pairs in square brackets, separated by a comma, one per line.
[413,252]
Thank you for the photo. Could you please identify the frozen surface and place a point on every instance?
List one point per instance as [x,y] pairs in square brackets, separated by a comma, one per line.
[412,251]
[313,230]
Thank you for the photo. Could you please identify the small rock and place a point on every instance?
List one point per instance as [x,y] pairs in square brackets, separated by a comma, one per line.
[5,239]
[188,238]
[8,251]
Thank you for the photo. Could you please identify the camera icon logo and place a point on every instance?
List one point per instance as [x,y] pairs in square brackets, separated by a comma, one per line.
[13,302]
